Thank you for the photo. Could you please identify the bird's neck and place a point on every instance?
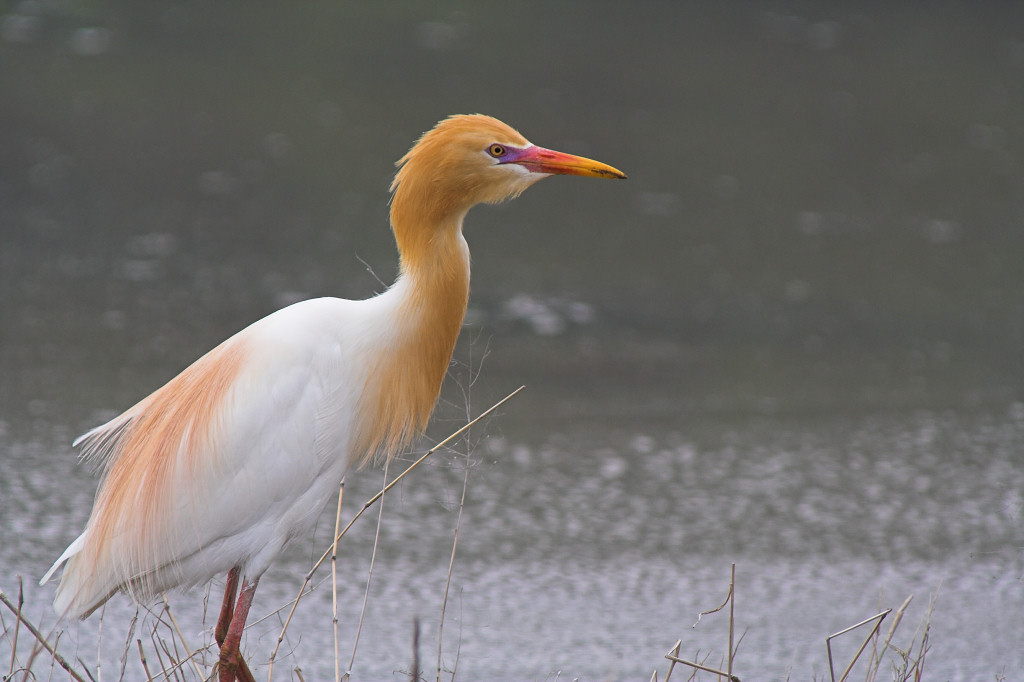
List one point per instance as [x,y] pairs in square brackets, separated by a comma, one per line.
[426,306]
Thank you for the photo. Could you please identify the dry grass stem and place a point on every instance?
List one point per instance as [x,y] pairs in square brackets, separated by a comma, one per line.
[699,666]
[702,661]
[907,664]
[181,636]
[127,644]
[142,658]
[873,633]
[16,610]
[17,625]
[732,613]
[366,505]
[451,566]
[369,575]
[913,666]
[414,674]
[673,654]
[467,401]
[334,580]
[448,579]
[876,659]
[164,668]
[674,651]
[99,646]
[730,599]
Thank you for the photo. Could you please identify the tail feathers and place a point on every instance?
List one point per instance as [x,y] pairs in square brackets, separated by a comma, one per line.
[100,445]
[76,597]
[74,548]
[78,605]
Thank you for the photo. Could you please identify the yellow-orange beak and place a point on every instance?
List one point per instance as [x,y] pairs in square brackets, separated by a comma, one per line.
[540,160]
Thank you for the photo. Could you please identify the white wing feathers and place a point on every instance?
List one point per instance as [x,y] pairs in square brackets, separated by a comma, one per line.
[222,466]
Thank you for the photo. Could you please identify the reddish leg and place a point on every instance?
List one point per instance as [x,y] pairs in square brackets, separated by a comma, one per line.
[232,666]
[227,608]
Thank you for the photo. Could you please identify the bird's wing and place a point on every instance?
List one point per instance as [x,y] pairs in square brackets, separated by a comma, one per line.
[208,471]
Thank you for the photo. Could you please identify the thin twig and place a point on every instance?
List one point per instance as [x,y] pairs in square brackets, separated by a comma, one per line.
[878,618]
[732,609]
[334,581]
[159,656]
[369,575]
[414,676]
[451,566]
[730,601]
[368,504]
[174,662]
[174,646]
[142,657]
[171,658]
[675,659]
[877,660]
[675,652]
[458,648]
[40,638]
[466,391]
[191,655]
[17,624]
[99,647]
[127,643]
[716,609]
[282,607]
[923,646]
[369,269]
[175,666]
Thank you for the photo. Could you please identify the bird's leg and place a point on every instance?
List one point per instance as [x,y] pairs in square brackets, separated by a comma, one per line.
[232,666]
[227,608]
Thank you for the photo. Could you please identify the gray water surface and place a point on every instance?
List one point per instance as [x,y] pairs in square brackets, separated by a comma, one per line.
[791,341]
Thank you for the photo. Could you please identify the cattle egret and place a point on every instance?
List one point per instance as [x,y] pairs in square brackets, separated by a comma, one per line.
[217,470]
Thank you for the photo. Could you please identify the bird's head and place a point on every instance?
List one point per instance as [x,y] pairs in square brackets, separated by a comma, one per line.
[467,160]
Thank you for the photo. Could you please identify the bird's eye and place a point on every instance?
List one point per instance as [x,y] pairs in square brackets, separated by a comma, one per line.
[496,150]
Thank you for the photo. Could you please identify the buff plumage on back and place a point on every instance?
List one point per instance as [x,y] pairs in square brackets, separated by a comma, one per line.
[146,454]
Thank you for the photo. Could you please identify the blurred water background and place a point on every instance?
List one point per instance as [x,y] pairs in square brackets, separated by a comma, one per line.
[791,341]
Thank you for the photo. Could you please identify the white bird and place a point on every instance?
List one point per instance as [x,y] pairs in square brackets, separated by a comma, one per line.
[220,468]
